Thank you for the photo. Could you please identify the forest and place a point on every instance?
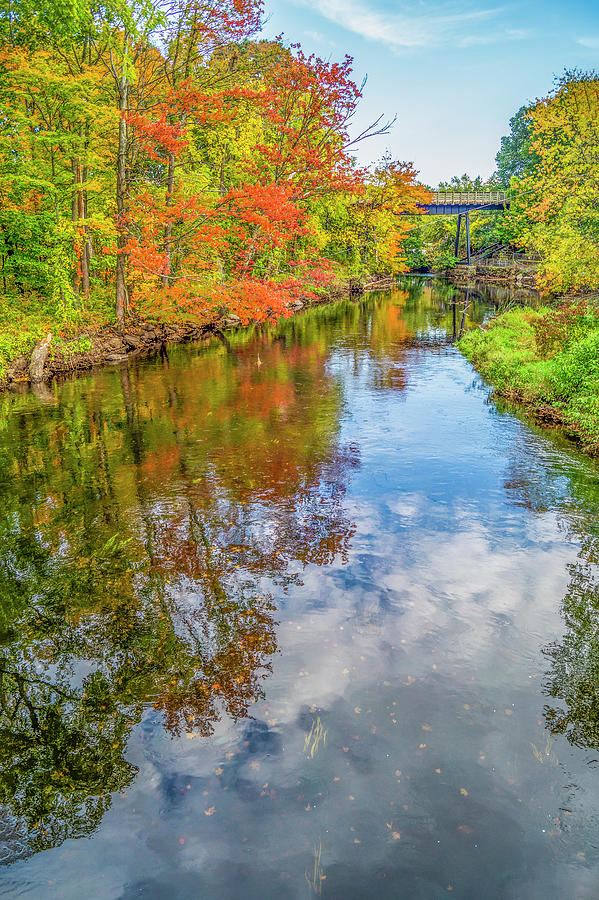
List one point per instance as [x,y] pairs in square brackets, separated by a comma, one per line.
[159,161]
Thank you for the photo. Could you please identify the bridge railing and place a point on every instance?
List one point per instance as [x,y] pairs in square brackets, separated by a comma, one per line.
[474,198]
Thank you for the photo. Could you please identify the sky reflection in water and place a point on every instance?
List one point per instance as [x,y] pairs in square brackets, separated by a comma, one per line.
[324,626]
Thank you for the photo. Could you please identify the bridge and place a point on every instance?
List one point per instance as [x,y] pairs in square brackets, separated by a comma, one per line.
[462,203]
[457,203]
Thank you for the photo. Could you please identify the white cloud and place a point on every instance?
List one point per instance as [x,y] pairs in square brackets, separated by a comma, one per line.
[426,27]
[591,42]
[494,37]
[319,38]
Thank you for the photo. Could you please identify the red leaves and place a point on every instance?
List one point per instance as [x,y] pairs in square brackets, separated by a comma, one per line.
[158,137]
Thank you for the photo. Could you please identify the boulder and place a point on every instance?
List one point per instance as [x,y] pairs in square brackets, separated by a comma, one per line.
[18,370]
[113,343]
[132,341]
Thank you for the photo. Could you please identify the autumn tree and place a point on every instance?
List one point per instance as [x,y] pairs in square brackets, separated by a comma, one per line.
[554,212]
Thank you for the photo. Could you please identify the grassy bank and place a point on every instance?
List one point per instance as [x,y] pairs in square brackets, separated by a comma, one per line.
[547,358]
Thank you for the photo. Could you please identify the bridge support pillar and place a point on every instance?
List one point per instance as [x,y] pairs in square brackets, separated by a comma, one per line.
[468,237]
[457,236]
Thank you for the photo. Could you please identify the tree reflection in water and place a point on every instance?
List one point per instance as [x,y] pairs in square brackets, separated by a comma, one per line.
[572,682]
[148,521]
[574,675]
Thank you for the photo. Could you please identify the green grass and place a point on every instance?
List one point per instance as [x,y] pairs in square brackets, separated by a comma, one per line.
[547,357]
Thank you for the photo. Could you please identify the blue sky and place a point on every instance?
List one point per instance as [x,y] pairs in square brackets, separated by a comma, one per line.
[453,72]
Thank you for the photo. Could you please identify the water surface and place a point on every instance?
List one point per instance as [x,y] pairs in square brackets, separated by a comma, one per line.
[297,612]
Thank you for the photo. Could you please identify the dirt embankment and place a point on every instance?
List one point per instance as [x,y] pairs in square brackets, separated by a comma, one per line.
[108,345]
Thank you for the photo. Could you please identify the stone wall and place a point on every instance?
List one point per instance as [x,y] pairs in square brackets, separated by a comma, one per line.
[515,274]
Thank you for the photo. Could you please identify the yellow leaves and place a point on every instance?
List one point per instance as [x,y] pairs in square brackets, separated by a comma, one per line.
[463,792]
[210,811]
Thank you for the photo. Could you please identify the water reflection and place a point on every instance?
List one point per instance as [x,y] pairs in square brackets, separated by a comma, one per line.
[272,614]
[142,518]
[574,675]
[571,492]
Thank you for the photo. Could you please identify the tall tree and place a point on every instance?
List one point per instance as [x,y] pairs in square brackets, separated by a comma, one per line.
[514,158]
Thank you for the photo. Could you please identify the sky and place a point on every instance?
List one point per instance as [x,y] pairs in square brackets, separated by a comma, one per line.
[452,72]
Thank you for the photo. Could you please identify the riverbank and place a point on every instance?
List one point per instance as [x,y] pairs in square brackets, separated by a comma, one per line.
[546,359]
[94,339]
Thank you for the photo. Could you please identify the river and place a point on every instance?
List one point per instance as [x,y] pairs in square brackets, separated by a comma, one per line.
[298,612]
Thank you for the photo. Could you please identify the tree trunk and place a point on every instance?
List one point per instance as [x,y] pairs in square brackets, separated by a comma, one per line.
[168,228]
[81,274]
[121,205]
[38,360]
